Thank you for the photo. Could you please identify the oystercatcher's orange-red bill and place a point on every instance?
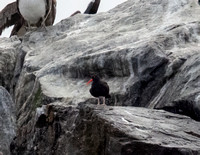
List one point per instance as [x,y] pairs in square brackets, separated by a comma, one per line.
[89,81]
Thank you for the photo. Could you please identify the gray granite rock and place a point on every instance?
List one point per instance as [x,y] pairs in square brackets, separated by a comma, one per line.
[8,59]
[138,47]
[131,130]
[90,129]
[7,121]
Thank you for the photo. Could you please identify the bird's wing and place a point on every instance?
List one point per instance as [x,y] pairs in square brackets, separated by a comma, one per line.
[92,7]
[9,16]
[18,6]
[48,8]
[106,88]
[54,4]
[51,12]
[19,28]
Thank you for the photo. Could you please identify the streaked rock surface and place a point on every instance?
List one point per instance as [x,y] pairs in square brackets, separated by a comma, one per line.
[8,60]
[91,129]
[7,121]
[131,130]
[143,49]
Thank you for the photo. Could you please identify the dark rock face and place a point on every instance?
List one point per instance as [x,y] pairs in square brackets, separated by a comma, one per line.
[41,134]
[91,129]
[125,130]
[147,51]
[183,91]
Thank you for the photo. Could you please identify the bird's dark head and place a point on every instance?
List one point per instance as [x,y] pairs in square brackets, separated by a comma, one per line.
[94,78]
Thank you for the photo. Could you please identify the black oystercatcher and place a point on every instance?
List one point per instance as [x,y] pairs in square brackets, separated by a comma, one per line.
[99,89]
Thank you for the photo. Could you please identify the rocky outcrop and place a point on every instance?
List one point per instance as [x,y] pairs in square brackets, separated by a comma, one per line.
[128,130]
[148,53]
[136,59]
[91,129]
[8,60]
[7,121]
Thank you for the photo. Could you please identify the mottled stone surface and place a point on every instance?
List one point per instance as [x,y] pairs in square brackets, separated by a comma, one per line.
[8,59]
[145,50]
[98,130]
[7,121]
[131,130]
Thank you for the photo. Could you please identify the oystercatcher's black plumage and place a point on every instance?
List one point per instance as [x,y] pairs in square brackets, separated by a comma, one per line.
[99,88]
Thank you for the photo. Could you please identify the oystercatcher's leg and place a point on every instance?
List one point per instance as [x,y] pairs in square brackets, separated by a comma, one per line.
[43,24]
[98,101]
[104,101]
[29,26]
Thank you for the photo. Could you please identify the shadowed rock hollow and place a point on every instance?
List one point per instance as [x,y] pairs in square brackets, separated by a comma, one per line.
[147,51]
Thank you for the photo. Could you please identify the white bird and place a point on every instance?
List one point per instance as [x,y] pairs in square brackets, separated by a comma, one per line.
[23,13]
[37,12]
